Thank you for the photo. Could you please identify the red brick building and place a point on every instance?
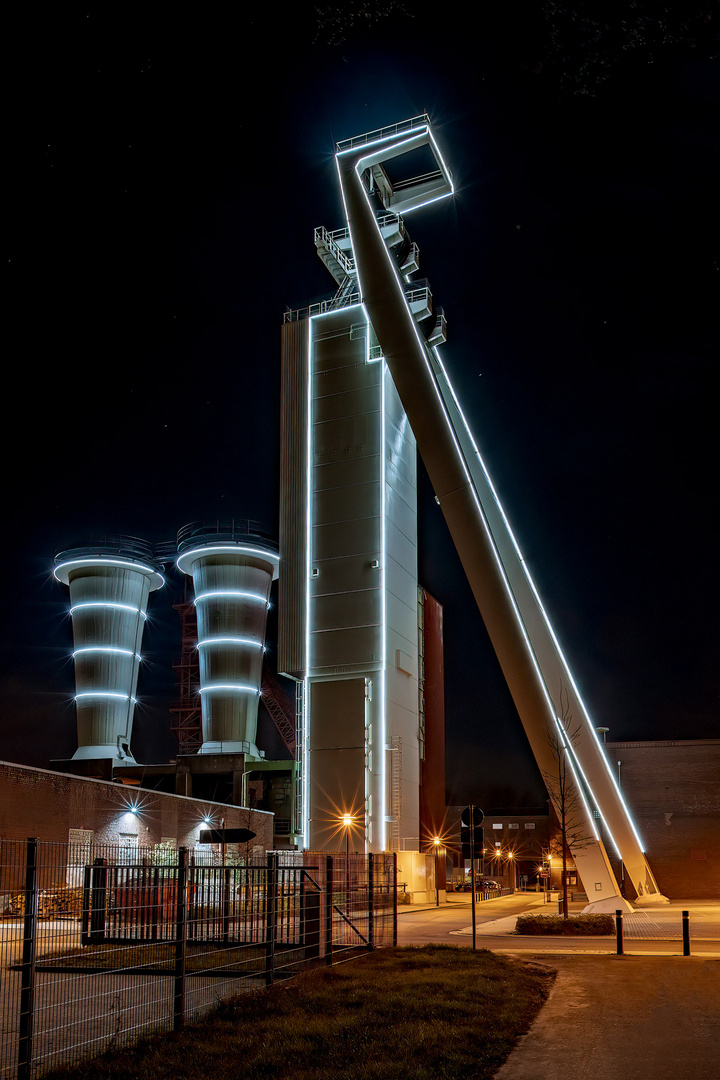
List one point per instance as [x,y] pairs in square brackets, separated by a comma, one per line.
[59,807]
[673,790]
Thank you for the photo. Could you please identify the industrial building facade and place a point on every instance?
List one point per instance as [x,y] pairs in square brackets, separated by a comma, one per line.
[348,599]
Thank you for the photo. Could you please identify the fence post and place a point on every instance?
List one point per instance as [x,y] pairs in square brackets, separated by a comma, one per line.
[226,905]
[154,902]
[394,892]
[686,932]
[328,909]
[98,900]
[270,916]
[85,913]
[619,932]
[180,938]
[371,902]
[27,977]
[309,917]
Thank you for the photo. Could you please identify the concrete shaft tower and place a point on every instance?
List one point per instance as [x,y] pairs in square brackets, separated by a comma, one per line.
[348,618]
[232,568]
[109,588]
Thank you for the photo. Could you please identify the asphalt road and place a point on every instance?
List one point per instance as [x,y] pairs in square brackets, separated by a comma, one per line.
[451,924]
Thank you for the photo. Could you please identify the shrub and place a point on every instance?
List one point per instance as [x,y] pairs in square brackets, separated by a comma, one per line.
[576,925]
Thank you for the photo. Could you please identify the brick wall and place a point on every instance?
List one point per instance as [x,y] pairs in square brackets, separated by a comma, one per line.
[673,790]
[37,802]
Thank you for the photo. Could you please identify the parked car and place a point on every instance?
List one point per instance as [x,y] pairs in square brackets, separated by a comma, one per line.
[481,885]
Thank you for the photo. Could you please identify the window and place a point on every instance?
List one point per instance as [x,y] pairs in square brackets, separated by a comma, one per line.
[128,852]
[79,855]
[529,824]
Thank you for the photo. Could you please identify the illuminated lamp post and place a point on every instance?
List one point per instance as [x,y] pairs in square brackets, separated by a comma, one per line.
[511,861]
[436,846]
[347,821]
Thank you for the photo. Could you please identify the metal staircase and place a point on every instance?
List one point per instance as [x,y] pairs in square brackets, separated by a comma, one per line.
[280,708]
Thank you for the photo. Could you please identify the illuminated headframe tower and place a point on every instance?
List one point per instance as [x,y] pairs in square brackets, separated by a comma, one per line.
[537,673]
[348,600]
[232,570]
[109,589]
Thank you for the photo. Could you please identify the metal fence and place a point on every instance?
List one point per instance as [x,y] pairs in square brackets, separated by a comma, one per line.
[95,951]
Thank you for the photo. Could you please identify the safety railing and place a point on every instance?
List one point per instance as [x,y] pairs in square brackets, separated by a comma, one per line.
[383,133]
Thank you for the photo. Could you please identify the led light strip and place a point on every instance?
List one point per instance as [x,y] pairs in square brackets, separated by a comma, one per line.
[102,561]
[232,592]
[240,687]
[383,601]
[107,604]
[305,752]
[235,549]
[105,694]
[106,649]
[231,641]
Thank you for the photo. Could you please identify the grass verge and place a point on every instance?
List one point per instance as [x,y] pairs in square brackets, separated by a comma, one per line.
[433,1013]
[574,926]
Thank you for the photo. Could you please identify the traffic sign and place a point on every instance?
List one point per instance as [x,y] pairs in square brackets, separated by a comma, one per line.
[471,832]
[226,836]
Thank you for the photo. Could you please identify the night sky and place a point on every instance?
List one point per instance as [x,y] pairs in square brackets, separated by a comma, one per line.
[166,173]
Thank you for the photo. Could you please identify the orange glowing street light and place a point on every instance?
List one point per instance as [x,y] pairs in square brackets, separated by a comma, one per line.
[347,821]
[436,847]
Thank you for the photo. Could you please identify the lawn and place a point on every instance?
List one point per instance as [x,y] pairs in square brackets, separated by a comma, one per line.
[432,1013]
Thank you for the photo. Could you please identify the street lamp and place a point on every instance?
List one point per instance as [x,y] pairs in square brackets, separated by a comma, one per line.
[511,860]
[347,820]
[436,845]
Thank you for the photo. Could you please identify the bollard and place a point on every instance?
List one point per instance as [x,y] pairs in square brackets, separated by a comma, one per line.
[686,932]
[619,932]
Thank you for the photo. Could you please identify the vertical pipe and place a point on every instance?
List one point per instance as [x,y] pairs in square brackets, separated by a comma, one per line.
[328,909]
[686,932]
[180,938]
[619,932]
[27,977]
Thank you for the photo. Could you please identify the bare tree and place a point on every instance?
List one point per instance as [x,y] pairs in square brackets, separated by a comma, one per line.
[563,789]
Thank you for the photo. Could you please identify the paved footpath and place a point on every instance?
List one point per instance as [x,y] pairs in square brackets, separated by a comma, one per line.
[651,1014]
[624,1018]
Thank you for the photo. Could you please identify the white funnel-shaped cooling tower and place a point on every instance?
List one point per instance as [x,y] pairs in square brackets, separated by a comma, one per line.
[232,569]
[109,588]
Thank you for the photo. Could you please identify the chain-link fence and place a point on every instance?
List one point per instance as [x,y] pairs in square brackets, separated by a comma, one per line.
[96,950]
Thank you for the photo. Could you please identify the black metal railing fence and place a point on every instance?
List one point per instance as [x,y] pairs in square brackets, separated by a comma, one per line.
[96,950]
